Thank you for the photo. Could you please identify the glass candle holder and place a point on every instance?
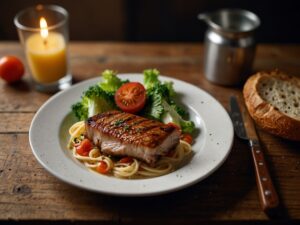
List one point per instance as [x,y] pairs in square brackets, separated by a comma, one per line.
[43,32]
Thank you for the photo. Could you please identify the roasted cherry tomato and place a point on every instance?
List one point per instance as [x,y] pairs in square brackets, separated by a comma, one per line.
[102,167]
[131,97]
[84,148]
[187,138]
[11,69]
[126,160]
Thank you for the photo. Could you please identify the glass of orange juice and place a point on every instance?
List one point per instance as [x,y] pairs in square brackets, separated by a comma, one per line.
[43,31]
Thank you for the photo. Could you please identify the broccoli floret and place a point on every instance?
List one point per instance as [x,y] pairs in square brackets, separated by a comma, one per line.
[80,111]
[94,101]
[111,82]
[98,101]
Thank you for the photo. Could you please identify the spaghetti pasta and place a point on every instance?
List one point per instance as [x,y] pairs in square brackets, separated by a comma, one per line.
[133,169]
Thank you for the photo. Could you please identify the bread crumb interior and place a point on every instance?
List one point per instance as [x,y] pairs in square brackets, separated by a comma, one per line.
[283,95]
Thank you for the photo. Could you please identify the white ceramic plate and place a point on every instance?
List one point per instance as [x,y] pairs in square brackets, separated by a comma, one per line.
[48,138]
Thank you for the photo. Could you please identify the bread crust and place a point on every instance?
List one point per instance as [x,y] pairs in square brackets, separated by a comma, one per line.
[265,115]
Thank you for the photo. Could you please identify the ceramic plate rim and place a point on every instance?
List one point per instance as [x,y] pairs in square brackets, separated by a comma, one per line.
[85,179]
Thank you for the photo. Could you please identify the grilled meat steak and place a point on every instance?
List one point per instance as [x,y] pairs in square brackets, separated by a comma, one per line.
[123,134]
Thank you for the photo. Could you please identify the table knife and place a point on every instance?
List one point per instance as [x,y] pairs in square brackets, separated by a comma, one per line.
[245,129]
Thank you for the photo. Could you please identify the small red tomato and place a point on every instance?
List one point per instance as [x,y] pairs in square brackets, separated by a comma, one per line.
[131,97]
[76,144]
[187,138]
[126,160]
[102,167]
[11,69]
[84,148]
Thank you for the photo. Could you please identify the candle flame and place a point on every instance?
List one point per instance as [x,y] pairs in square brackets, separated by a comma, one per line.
[44,28]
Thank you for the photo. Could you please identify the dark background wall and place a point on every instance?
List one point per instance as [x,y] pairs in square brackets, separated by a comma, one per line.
[158,20]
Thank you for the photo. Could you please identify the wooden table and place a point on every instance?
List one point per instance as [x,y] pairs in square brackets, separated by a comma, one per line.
[29,193]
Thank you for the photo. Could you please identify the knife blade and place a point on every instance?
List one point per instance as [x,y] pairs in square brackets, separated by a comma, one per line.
[245,129]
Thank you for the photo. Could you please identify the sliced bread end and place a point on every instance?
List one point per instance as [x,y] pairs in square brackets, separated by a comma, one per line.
[273,101]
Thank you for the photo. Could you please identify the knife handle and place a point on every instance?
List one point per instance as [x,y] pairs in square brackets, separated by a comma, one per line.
[267,194]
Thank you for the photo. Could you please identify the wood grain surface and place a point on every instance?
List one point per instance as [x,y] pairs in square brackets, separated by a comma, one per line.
[29,194]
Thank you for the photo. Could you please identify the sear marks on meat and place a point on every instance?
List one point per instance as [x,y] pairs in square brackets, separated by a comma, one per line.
[123,134]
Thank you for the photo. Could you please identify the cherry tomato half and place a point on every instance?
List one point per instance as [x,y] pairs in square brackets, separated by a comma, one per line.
[187,138]
[11,69]
[131,97]
[102,167]
[84,148]
[126,160]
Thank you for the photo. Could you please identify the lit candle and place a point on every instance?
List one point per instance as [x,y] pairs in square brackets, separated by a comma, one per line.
[46,54]
[44,30]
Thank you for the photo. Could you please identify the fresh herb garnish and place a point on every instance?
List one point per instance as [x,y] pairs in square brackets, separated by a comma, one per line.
[126,127]
[119,122]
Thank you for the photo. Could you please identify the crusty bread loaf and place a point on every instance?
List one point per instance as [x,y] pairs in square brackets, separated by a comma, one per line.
[273,101]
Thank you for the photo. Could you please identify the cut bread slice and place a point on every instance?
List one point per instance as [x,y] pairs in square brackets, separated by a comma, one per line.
[273,101]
